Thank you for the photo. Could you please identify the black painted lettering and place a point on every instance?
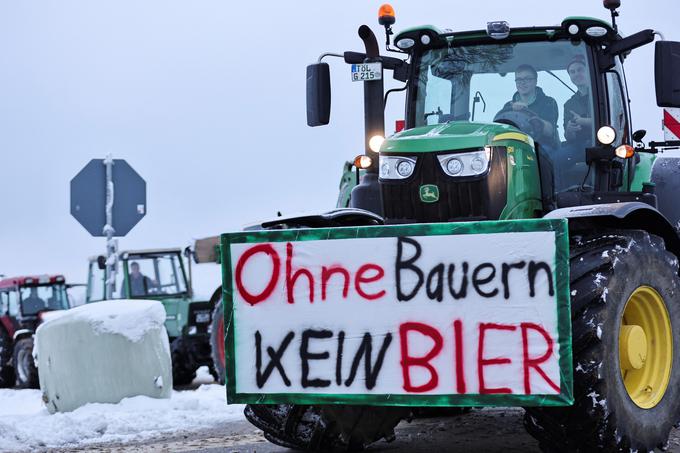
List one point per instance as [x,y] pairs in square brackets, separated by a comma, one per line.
[338,358]
[479,281]
[462,291]
[274,362]
[306,356]
[437,292]
[504,276]
[371,372]
[534,267]
[403,265]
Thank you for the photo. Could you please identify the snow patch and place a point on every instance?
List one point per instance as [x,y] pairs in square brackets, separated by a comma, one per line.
[599,332]
[25,424]
[573,293]
[599,278]
[129,318]
[603,296]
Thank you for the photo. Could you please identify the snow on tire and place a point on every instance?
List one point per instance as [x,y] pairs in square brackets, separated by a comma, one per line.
[24,366]
[611,273]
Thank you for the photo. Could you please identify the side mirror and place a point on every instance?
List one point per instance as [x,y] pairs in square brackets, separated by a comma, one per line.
[666,70]
[318,94]
[101,262]
[639,135]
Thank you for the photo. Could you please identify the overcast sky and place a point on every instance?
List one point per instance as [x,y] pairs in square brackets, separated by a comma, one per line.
[205,99]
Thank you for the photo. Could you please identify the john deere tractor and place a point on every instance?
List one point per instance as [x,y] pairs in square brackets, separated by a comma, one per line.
[523,123]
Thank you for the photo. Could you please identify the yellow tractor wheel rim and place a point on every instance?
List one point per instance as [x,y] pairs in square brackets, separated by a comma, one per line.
[645,347]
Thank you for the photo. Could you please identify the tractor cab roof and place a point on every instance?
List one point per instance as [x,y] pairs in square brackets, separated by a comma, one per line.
[123,254]
[31,280]
[574,27]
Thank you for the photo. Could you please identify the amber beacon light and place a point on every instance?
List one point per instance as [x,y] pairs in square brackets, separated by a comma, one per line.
[386,15]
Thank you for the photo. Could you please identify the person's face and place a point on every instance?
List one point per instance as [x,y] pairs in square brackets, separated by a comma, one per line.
[135,268]
[577,74]
[526,82]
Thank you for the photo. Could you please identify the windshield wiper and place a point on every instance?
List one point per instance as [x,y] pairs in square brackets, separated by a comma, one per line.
[561,81]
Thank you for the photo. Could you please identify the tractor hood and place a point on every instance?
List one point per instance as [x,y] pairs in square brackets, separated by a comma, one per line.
[451,136]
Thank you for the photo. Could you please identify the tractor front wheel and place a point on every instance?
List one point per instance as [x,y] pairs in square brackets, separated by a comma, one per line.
[25,369]
[626,348]
[325,428]
[6,370]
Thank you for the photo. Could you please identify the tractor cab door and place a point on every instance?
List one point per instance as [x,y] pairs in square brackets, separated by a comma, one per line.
[618,117]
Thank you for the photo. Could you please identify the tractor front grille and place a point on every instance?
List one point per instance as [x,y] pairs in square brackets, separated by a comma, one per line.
[460,199]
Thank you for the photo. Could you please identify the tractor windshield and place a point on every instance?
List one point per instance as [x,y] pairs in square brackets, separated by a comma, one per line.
[35,299]
[155,274]
[543,88]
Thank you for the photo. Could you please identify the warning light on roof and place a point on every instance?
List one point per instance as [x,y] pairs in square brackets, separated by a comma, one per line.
[386,15]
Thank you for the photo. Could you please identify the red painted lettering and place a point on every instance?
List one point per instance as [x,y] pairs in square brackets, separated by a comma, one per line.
[327,272]
[267,249]
[482,362]
[360,278]
[291,277]
[458,359]
[407,361]
[535,362]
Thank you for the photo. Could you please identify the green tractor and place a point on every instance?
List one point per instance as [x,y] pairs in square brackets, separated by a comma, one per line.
[524,123]
[159,274]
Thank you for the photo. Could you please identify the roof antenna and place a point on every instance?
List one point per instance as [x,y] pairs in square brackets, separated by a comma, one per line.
[611,5]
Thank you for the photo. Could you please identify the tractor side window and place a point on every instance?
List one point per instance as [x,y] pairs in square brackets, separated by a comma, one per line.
[95,285]
[4,303]
[617,109]
[13,302]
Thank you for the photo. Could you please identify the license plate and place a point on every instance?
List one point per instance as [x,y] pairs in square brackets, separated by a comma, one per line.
[202,317]
[366,72]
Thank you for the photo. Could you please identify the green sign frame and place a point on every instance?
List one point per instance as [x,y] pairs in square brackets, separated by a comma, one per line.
[560,277]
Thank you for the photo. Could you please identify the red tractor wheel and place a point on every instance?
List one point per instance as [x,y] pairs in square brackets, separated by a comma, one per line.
[217,341]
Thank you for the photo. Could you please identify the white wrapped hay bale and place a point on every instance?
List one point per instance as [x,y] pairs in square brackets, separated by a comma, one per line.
[104,352]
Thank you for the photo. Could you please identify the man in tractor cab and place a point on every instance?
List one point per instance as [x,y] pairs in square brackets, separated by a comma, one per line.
[578,124]
[33,303]
[140,284]
[530,98]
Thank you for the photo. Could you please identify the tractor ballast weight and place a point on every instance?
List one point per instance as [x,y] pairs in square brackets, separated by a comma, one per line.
[453,163]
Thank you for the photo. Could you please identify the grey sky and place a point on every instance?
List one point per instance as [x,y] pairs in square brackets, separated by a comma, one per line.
[206,101]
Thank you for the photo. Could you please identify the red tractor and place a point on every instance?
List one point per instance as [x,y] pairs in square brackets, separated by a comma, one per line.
[25,302]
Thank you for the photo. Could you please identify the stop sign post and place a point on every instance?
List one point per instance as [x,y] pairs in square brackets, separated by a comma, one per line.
[108,198]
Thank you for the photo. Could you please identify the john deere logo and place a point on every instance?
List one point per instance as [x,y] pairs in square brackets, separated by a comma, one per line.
[429,193]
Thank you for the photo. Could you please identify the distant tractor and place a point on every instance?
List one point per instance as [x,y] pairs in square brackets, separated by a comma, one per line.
[25,302]
[160,274]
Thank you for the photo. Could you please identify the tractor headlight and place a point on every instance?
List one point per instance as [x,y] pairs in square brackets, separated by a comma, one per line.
[396,167]
[466,164]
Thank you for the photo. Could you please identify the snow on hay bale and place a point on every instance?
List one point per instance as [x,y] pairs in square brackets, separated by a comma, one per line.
[102,353]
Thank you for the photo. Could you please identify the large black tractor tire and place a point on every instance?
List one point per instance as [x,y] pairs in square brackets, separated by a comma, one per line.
[217,342]
[6,369]
[24,367]
[325,428]
[615,276]
[183,369]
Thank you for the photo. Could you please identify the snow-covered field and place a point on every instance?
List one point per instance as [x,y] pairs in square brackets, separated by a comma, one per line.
[25,423]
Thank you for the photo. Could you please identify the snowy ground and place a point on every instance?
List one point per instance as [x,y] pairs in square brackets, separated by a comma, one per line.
[25,424]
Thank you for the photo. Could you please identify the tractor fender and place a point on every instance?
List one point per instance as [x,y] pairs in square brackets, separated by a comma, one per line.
[628,215]
[215,298]
[22,333]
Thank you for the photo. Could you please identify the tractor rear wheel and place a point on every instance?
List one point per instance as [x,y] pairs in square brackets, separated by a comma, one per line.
[217,341]
[626,347]
[325,428]
[25,369]
[6,370]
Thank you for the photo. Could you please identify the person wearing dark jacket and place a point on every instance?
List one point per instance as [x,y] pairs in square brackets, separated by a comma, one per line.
[578,122]
[531,99]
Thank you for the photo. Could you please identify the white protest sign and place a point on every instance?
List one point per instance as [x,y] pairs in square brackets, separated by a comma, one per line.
[448,314]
